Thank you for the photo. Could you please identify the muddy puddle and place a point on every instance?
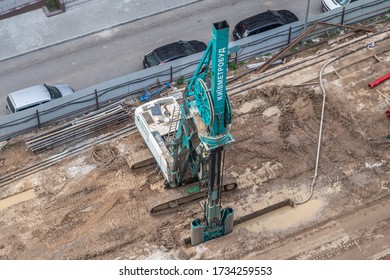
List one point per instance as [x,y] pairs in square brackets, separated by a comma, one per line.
[284,218]
[17,198]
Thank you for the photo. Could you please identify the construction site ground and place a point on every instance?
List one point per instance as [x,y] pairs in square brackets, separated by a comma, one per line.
[92,206]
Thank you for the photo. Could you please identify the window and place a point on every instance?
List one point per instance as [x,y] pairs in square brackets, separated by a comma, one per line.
[265,28]
[188,49]
[54,92]
[151,60]
[31,106]
[345,2]
[10,105]
[241,28]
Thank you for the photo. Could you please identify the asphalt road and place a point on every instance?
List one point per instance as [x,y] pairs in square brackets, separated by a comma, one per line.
[119,51]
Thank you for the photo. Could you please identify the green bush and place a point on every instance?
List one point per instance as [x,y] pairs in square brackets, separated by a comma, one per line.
[232,66]
[294,49]
[309,42]
[52,5]
[180,81]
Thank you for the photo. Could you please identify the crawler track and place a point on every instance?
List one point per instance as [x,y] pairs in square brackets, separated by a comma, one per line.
[171,199]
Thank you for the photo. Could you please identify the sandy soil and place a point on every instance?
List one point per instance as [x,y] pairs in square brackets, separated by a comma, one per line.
[92,206]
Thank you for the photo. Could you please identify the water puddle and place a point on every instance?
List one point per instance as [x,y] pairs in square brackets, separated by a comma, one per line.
[17,198]
[285,217]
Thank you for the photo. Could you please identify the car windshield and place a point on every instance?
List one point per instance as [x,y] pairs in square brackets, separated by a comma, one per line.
[151,60]
[54,92]
[174,51]
[188,49]
[241,28]
[278,15]
[10,105]
[342,2]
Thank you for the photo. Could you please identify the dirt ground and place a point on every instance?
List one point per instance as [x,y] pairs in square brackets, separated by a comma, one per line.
[91,206]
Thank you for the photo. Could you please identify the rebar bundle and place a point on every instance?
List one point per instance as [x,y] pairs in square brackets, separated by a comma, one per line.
[79,128]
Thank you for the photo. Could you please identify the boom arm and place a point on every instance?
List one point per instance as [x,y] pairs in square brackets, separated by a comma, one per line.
[208,86]
[207,102]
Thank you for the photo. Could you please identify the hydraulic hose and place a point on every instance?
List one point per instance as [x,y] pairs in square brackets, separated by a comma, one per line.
[319,134]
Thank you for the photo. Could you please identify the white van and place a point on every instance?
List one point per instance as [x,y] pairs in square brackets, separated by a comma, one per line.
[328,5]
[36,95]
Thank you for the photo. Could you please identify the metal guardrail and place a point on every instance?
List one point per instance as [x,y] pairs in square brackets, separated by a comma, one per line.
[95,97]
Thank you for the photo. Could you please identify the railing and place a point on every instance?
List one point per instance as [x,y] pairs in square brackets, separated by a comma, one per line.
[98,96]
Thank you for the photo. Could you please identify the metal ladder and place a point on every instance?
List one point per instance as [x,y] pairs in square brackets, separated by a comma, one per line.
[173,124]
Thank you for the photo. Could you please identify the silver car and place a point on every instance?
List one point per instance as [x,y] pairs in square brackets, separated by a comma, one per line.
[328,5]
[36,95]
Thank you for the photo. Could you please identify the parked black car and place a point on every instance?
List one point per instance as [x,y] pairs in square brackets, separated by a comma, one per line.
[173,51]
[262,22]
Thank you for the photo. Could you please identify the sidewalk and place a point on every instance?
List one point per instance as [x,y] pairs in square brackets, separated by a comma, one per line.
[33,30]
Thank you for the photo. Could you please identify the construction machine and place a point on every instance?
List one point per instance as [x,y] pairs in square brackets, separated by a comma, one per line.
[187,139]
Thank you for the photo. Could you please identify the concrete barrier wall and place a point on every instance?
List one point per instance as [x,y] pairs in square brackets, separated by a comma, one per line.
[6,5]
[132,85]
[10,8]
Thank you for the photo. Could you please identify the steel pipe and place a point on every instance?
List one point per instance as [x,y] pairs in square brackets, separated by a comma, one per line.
[378,81]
